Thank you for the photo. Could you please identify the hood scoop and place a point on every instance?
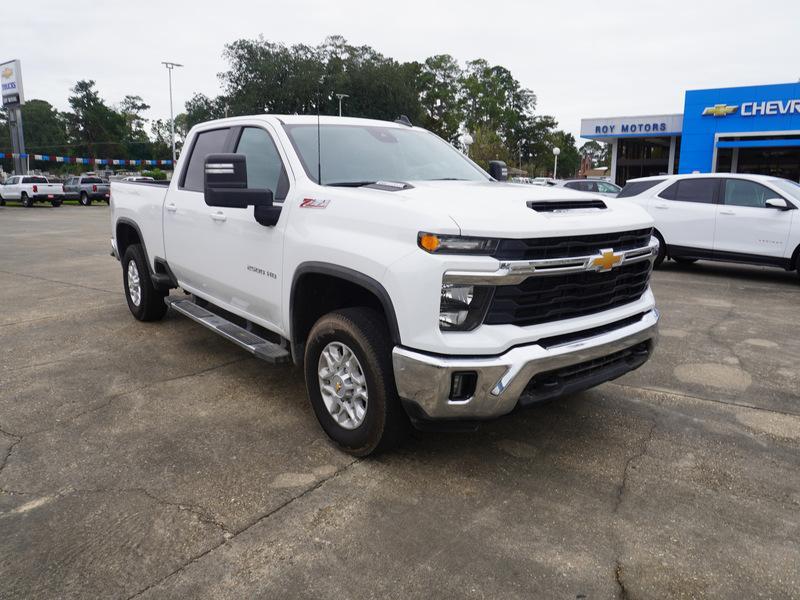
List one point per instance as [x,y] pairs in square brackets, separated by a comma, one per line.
[557,206]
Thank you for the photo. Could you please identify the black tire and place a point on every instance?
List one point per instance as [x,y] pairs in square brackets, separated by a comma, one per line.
[684,260]
[662,251]
[2,202]
[85,200]
[26,200]
[364,331]
[56,203]
[151,305]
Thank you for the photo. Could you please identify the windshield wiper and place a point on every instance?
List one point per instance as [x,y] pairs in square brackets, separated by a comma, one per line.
[350,183]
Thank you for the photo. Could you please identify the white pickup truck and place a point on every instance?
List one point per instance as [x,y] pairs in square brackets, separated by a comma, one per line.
[412,286]
[28,189]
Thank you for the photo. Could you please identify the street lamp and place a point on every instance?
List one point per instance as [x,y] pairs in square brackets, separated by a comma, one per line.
[466,140]
[170,66]
[340,97]
[556,152]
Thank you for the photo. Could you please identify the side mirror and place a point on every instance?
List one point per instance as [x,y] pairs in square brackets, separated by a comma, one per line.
[778,203]
[225,183]
[498,170]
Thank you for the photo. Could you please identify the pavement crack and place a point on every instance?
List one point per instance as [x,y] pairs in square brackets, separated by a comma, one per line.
[246,527]
[77,285]
[17,439]
[623,591]
[640,452]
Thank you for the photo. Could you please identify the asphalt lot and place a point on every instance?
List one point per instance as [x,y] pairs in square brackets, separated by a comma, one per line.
[159,461]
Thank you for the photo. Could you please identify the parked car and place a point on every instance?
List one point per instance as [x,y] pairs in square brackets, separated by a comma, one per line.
[543,181]
[29,189]
[594,186]
[86,188]
[722,216]
[409,284]
[138,178]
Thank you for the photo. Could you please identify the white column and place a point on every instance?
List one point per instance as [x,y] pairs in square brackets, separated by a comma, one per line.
[614,146]
[671,165]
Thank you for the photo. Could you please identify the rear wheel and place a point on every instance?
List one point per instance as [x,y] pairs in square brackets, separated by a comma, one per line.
[350,381]
[56,203]
[26,200]
[145,301]
[85,200]
[2,201]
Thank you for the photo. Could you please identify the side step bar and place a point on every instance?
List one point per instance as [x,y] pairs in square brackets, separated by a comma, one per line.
[258,346]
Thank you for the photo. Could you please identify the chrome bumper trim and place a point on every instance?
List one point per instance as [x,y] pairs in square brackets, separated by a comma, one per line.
[516,271]
[425,379]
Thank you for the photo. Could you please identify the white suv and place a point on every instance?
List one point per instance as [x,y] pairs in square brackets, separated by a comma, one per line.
[722,216]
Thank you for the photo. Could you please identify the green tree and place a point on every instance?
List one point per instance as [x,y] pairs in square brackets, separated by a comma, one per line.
[441,97]
[95,129]
[44,128]
[596,152]
[487,146]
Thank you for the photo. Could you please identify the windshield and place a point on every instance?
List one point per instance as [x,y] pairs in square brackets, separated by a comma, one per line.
[363,154]
[788,186]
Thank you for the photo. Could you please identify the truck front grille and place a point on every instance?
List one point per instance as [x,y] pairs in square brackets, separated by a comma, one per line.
[579,245]
[544,299]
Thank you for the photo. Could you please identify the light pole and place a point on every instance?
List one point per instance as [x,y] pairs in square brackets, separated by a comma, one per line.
[466,140]
[341,97]
[170,66]
[556,152]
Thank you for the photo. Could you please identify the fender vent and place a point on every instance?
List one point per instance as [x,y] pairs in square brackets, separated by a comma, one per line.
[559,205]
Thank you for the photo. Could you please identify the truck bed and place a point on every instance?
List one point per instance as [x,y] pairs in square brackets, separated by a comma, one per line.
[141,203]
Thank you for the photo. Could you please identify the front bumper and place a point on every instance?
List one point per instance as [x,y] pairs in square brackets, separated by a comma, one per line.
[424,381]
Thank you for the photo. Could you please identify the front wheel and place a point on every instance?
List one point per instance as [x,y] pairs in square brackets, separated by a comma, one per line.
[85,200]
[145,301]
[350,381]
[26,200]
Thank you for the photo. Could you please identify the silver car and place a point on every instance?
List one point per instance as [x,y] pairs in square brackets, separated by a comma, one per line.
[594,186]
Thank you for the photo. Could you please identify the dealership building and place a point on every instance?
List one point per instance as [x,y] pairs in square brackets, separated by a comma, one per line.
[753,129]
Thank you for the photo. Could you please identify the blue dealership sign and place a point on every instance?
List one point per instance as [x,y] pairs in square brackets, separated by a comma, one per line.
[726,112]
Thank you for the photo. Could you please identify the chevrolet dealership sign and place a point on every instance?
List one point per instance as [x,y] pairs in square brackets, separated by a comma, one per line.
[755,109]
[11,83]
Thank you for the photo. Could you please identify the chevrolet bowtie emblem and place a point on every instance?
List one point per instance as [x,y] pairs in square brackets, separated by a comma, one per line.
[719,110]
[7,73]
[607,260]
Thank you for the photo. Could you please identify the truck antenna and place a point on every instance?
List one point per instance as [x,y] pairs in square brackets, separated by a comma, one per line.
[319,144]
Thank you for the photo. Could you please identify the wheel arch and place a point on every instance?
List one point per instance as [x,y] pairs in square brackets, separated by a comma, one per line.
[333,287]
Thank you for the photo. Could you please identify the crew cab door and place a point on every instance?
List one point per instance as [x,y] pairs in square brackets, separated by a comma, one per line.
[224,254]
[11,189]
[747,225]
[685,212]
[250,279]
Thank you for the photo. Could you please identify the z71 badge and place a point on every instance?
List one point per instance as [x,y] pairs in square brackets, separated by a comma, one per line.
[314,203]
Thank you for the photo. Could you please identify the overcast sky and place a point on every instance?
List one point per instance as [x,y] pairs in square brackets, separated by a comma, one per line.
[582,59]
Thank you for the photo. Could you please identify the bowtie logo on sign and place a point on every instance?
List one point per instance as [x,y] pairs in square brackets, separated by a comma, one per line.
[7,73]
[719,110]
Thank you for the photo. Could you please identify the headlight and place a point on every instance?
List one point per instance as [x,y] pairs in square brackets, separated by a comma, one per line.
[455,244]
[462,307]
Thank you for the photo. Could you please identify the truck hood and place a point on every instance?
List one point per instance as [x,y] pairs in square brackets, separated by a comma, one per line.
[494,209]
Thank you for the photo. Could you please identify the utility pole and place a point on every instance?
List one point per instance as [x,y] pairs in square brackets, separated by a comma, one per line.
[340,97]
[170,66]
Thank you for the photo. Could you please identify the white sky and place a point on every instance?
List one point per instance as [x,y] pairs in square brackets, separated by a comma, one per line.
[581,59]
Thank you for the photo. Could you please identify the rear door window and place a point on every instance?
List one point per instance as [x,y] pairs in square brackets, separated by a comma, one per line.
[634,188]
[205,143]
[702,191]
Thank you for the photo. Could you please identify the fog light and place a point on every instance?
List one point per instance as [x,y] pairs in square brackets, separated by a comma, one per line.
[462,385]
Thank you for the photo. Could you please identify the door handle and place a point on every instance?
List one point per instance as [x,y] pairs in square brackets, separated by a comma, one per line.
[727,212]
[219,216]
[171,207]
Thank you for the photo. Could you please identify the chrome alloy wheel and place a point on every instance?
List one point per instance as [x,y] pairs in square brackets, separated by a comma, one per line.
[134,284]
[343,385]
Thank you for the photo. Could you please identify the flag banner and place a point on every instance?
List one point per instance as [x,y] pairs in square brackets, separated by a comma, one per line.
[87,161]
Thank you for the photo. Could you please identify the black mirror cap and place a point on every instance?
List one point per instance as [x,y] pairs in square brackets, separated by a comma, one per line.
[225,183]
[498,170]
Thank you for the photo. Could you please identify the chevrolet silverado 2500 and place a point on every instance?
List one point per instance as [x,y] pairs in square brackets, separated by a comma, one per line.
[410,285]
